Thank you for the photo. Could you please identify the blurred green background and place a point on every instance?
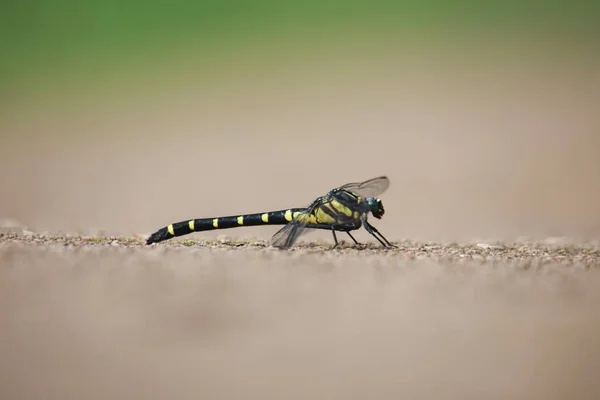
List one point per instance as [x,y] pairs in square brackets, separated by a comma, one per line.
[48,44]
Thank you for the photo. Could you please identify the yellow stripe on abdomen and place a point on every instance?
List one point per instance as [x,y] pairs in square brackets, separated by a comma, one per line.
[216,222]
[265,218]
[288,215]
[171,230]
[240,220]
[191,224]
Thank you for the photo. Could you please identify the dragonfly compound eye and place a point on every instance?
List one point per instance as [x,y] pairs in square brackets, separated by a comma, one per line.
[376,207]
[380,210]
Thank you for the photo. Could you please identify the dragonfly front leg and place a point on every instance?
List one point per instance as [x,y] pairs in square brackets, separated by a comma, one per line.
[379,233]
[372,230]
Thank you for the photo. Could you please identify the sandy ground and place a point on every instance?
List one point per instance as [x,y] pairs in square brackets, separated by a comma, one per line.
[116,320]
[502,158]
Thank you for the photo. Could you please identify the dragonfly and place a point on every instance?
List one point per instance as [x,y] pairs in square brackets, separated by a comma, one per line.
[342,209]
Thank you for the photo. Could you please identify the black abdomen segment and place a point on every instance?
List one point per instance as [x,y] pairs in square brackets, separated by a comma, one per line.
[281,217]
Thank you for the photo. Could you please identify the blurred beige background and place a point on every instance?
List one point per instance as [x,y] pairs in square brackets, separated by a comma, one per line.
[479,142]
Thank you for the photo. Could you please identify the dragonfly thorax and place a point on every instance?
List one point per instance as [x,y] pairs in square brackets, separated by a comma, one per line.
[376,207]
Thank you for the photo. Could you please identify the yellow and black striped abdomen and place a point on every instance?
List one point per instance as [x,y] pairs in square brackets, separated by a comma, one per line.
[281,217]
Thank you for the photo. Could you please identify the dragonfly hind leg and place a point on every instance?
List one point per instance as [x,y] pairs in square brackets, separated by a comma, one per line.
[334,238]
[349,234]
[333,228]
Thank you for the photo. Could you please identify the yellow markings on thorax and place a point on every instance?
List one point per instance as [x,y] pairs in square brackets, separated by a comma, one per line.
[341,208]
[296,214]
[216,222]
[265,218]
[191,224]
[240,220]
[171,230]
[321,217]
[356,215]
[288,215]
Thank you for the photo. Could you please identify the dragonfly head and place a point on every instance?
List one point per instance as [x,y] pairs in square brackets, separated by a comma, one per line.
[376,207]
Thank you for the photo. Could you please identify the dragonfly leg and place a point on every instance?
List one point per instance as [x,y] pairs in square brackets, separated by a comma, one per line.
[352,237]
[334,238]
[372,230]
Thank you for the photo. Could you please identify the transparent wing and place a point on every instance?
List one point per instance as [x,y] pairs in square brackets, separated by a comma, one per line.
[371,188]
[289,234]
